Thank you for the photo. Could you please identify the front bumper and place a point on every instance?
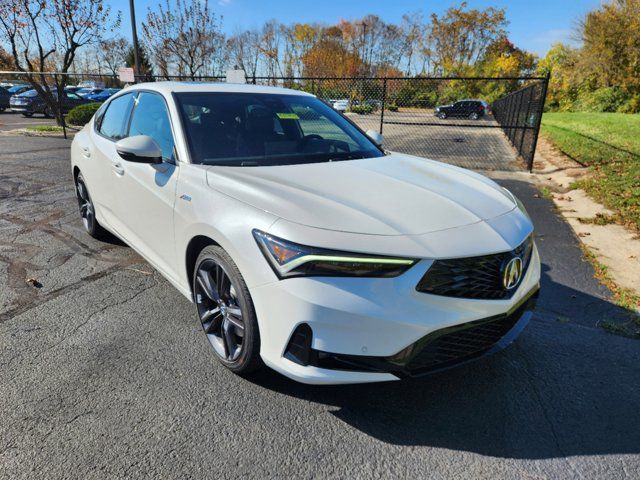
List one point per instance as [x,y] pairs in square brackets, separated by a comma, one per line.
[363,324]
[22,108]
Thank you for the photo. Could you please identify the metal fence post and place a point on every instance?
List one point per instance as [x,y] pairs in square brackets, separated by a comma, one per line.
[543,99]
[384,101]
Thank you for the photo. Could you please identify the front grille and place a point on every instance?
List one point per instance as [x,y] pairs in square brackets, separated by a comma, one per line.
[457,344]
[474,277]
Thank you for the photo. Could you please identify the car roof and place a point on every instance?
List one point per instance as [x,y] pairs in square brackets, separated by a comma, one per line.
[171,87]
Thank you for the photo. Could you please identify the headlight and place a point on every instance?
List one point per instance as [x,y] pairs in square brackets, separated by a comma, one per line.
[517,201]
[290,259]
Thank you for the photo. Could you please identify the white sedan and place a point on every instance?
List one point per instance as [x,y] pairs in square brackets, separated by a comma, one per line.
[304,245]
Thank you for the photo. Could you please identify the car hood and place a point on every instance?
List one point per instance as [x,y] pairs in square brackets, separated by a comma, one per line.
[392,195]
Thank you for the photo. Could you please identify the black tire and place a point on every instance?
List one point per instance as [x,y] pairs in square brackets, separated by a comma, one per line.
[27,114]
[442,115]
[2,109]
[87,210]
[222,329]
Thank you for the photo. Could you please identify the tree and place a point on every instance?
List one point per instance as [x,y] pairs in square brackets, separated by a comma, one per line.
[244,51]
[186,34]
[611,45]
[45,35]
[460,37]
[112,53]
[6,61]
[146,70]
[560,63]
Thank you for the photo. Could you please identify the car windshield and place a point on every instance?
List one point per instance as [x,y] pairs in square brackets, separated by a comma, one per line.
[29,93]
[254,129]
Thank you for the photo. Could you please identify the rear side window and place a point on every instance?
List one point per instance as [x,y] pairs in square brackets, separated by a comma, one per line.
[113,123]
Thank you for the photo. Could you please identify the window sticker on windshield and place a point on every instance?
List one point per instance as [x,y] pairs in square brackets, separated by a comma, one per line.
[288,116]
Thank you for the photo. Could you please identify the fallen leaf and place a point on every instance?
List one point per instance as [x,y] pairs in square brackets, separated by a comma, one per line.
[33,282]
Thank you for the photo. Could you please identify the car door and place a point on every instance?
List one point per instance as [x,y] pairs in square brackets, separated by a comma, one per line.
[145,193]
[71,100]
[101,159]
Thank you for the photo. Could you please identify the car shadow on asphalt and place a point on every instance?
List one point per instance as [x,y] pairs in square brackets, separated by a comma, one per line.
[562,389]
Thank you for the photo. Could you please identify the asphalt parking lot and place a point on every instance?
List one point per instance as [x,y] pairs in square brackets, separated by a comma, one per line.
[11,121]
[475,144]
[105,371]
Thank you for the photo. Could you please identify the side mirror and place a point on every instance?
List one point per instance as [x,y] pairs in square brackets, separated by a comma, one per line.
[139,149]
[375,136]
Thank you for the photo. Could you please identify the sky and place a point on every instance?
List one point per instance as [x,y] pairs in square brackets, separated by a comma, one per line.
[534,25]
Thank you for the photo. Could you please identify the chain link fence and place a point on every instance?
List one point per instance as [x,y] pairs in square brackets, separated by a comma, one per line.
[478,123]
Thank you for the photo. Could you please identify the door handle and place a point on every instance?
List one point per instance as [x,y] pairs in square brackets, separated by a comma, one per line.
[118,169]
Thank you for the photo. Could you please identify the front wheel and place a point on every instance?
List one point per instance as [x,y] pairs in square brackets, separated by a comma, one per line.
[27,114]
[226,311]
[442,115]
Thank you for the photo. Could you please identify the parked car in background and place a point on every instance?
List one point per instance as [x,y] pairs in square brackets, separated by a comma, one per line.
[473,109]
[91,84]
[341,105]
[5,96]
[103,95]
[72,89]
[375,104]
[8,85]
[18,89]
[85,92]
[30,102]
[304,245]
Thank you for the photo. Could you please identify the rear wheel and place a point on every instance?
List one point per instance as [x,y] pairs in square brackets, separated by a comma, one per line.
[87,209]
[226,311]
[474,116]
[47,113]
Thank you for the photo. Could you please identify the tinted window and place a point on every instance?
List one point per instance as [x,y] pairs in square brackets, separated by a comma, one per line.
[248,129]
[150,117]
[114,120]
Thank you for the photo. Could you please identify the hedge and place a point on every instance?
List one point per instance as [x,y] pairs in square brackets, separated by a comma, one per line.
[362,109]
[81,114]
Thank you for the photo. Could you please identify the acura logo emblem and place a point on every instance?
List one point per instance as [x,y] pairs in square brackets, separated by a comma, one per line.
[511,273]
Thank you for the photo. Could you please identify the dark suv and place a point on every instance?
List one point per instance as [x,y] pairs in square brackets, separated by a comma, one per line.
[473,109]
[31,102]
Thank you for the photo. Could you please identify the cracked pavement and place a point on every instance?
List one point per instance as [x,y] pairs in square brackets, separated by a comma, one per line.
[104,371]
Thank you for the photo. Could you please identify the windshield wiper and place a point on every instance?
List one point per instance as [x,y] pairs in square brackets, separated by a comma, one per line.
[348,156]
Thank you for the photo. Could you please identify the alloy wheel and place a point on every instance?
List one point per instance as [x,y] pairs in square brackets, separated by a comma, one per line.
[87,211]
[219,310]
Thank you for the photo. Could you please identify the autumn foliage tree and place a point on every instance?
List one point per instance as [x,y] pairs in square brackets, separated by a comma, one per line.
[45,35]
[602,74]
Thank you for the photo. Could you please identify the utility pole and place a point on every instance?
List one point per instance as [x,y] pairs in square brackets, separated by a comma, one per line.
[134,34]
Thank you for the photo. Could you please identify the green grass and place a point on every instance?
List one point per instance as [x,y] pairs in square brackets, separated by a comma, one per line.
[44,128]
[609,144]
